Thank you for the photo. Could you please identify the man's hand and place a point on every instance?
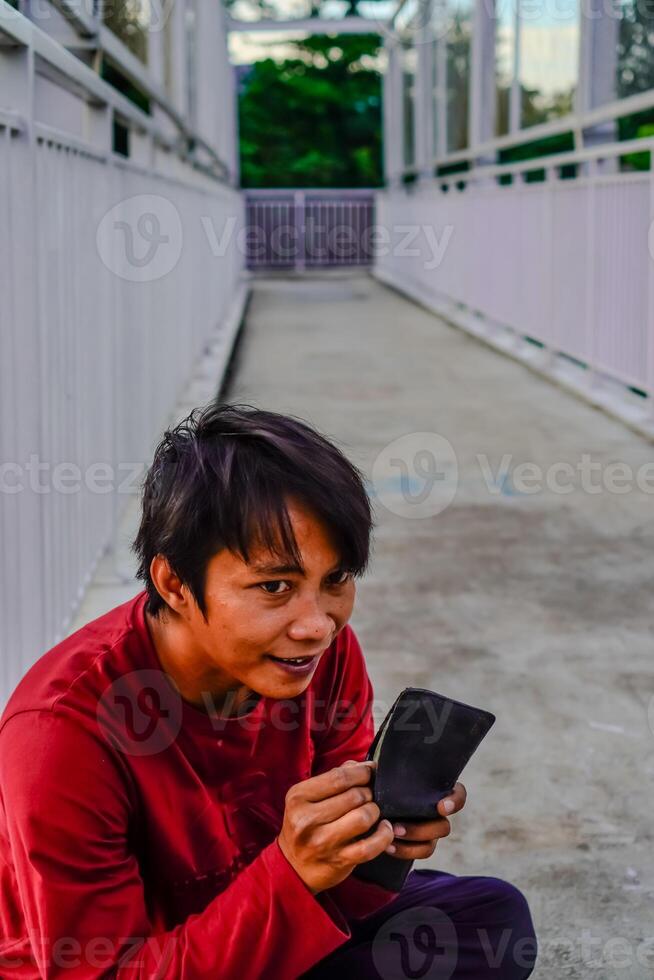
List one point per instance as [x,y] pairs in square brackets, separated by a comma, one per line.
[418,840]
[323,818]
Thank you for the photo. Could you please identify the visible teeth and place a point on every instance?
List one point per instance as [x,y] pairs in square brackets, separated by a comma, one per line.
[296,660]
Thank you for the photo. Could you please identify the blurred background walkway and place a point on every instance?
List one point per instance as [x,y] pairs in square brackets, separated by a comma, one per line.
[536,605]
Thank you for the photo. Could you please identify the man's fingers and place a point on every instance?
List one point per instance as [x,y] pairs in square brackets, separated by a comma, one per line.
[413,852]
[332,783]
[326,811]
[454,802]
[369,847]
[348,827]
[408,832]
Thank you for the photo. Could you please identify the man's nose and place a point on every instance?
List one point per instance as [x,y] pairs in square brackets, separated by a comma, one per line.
[312,622]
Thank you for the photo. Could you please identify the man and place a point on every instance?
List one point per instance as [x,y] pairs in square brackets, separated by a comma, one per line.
[181,785]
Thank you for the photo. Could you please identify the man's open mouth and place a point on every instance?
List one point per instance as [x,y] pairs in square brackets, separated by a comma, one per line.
[294,663]
[292,660]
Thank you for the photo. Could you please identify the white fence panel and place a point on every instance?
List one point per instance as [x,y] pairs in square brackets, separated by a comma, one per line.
[564,262]
[623,264]
[91,363]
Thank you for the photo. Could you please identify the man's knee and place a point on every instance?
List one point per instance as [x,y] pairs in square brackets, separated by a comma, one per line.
[509,941]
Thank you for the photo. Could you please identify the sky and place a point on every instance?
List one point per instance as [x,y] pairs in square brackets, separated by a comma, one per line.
[248,47]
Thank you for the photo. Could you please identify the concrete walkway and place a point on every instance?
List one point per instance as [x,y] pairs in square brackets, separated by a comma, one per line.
[529,594]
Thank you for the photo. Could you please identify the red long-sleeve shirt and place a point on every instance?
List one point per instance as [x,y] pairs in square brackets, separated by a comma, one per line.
[138,833]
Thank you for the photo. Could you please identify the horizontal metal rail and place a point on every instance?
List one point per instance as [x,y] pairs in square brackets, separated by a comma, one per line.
[85,23]
[573,122]
[309,25]
[599,152]
[12,121]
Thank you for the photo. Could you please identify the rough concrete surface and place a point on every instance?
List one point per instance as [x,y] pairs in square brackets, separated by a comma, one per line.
[536,605]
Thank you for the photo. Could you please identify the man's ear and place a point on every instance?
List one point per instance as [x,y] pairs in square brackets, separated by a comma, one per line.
[170,587]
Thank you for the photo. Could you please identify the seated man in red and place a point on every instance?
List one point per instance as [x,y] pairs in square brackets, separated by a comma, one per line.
[181,791]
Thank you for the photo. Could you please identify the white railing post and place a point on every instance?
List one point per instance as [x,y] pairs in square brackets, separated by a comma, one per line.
[515,95]
[299,214]
[119,575]
[548,328]
[591,173]
[441,93]
[650,289]
[31,575]
[423,115]
[481,122]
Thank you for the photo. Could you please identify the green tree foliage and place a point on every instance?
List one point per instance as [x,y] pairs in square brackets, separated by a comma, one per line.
[129,20]
[636,47]
[635,73]
[313,120]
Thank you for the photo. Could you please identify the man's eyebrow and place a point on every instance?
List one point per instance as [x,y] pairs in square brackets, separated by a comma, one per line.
[266,569]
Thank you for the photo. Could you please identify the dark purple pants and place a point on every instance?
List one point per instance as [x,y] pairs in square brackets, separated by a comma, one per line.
[440,926]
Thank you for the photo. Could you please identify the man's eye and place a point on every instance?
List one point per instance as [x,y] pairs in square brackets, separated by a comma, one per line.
[340,578]
[273,590]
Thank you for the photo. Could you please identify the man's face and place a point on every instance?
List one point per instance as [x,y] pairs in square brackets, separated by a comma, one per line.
[262,614]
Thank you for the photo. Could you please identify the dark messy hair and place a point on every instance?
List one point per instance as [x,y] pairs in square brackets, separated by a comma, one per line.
[221,479]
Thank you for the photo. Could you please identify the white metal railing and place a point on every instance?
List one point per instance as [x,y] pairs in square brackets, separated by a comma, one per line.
[99,334]
[17,30]
[576,123]
[595,105]
[566,262]
[310,25]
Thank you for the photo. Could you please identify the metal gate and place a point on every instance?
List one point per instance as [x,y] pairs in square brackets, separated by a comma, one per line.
[309,229]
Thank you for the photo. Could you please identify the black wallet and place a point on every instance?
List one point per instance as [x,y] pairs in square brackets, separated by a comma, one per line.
[422,747]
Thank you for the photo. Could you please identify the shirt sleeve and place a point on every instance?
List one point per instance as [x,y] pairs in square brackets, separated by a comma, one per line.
[65,811]
[348,736]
